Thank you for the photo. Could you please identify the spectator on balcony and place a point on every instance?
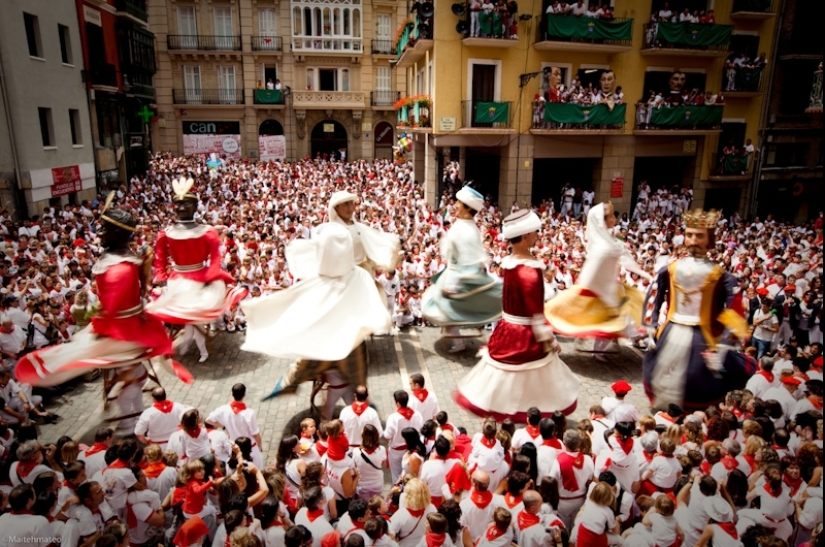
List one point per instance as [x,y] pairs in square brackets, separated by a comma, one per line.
[270,84]
[579,9]
[513,30]
[277,84]
[592,11]
[618,96]
[665,14]
[609,14]
[685,16]
[711,18]
[676,84]
[749,149]
[475,9]
[260,85]
[760,62]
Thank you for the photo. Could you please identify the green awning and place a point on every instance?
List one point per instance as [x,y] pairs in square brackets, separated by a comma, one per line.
[692,35]
[588,28]
[599,114]
[688,116]
[490,112]
[268,96]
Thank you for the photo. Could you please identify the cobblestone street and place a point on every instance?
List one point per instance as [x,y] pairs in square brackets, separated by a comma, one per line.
[392,360]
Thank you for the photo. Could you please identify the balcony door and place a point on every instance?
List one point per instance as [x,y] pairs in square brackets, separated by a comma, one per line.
[187,27]
[383,34]
[192,84]
[223,28]
[226,85]
[383,86]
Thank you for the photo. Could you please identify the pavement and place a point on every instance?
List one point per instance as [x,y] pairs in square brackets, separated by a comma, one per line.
[392,360]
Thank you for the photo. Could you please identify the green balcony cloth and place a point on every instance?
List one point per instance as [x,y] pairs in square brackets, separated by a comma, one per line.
[691,35]
[588,28]
[599,114]
[688,116]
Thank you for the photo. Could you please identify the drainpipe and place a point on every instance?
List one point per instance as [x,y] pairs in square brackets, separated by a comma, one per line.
[19,194]
[763,119]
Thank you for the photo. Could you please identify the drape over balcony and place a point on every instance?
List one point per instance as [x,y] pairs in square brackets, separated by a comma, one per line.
[691,35]
[598,114]
[588,28]
[490,112]
[688,116]
[268,96]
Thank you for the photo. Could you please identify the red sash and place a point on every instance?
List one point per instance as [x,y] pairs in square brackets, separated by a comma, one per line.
[591,539]
[526,520]
[407,412]
[481,499]
[312,515]
[164,406]
[566,464]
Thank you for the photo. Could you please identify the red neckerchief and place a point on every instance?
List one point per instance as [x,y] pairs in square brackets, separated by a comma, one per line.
[275,522]
[494,532]
[767,375]
[154,469]
[164,406]
[305,436]
[648,457]
[511,500]
[95,448]
[237,406]
[817,404]
[729,463]
[566,464]
[435,540]
[489,443]
[769,490]
[321,448]
[481,499]
[729,528]
[705,467]
[526,520]
[312,515]
[532,430]
[407,412]
[667,455]
[70,486]
[552,442]
[751,461]
[117,464]
[359,408]
[415,512]
[803,376]
[195,433]
[421,394]
[24,468]
[626,445]
[447,427]
[793,485]
[667,417]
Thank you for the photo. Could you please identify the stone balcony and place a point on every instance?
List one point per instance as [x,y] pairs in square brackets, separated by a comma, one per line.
[328,100]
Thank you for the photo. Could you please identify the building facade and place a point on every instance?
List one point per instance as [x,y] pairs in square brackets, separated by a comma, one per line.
[276,79]
[119,60]
[492,82]
[789,177]
[46,147]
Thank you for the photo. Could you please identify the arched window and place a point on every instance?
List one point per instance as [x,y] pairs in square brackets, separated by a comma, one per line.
[271,127]
[297,28]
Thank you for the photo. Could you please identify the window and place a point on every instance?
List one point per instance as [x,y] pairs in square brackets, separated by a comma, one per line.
[46,127]
[33,35]
[318,26]
[266,22]
[192,84]
[383,85]
[328,79]
[187,27]
[74,123]
[223,28]
[226,84]
[65,44]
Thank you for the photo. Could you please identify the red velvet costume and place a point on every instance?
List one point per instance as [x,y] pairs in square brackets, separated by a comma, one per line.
[523,296]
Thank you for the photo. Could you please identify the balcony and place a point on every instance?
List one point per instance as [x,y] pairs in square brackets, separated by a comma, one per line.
[268,97]
[742,82]
[103,75]
[570,33]
[384,99]
[575,119]
[208,97]
[200,42]
[681,120]
[751,10]
[328,100]
[415,38]
[687,39]
[486,117]
[132,9]
[327,45]
[731,167]
[489,33]
[383,47]
[268,44]
[414,113]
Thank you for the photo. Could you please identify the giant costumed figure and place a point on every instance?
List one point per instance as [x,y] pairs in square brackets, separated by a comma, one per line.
[520,367]
[188,261]
[690,361]
[464,294]
[599,305]
[122,334]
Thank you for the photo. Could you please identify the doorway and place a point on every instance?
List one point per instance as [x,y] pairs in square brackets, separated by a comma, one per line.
[483,90]
[482,169]
[667,172]
[726,200]
[551,174]
[329,139]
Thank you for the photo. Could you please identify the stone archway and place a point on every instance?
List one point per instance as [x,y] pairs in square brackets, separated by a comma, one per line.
[270,127]
[383,140]
[329,138]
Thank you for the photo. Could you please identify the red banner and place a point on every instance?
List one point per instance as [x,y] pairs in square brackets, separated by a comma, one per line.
[62,175]
[617,188]
[65,188]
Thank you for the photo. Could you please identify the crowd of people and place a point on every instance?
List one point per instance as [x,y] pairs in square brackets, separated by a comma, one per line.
[747,472]
[668,15]
[743,73]
[579,9]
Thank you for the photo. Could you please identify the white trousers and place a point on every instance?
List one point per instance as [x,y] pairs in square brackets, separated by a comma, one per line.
[130,401]
[16,404]
[190,332]
[396,458]
[339,388]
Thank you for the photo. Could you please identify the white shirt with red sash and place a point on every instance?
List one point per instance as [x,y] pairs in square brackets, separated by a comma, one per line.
[355,417]
[477,512]
[548,451]
[572,470]
[494,536]
[239,421]
[95,458]
[160,420]
[434,473]
[528,434]
[425,403]
[140,506]
[116,481]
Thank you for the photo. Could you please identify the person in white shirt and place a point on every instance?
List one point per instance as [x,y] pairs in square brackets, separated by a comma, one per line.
[499,533]
[92,513]
[573,471]
[160,478]
[311,515]
[434,471]
[424,402]
[30,463]
[144,510]
[784,394]
[477,508]
[19,523]
[764,379]
[408,524]
[160,420]
[530,433]
[117,479]
[765,327]
[396,422]
[548,450]
[239,421]
[359,414]
[94,456]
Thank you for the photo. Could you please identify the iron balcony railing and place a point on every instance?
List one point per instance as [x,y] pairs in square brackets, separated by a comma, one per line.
[544,35]
[203,42]
[208,96]
[267,43]
[742,79]
[384,97]
[653,41]
[382,47]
